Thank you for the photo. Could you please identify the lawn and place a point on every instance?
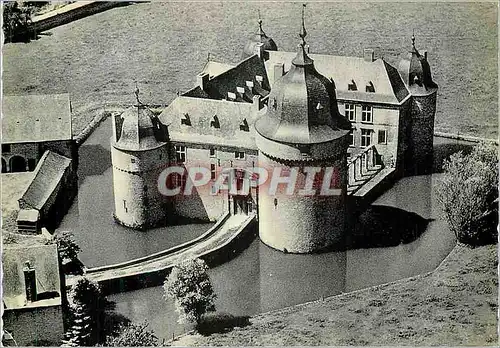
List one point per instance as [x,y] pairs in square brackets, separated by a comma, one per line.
[454,305]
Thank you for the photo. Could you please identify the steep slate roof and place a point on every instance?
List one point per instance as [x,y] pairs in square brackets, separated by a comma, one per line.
[47,175]
[140,130]
[247,70]
[389,88]
[36,118]
[302,107]
[43,259]
[215,68]
[230,115]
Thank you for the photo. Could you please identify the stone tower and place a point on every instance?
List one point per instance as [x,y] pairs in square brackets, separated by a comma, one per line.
[301,134]
[416,74]
[139,152]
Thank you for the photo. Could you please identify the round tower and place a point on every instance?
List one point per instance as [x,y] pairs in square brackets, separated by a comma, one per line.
[258,43]
[138,153]
[416,74]
[302,140]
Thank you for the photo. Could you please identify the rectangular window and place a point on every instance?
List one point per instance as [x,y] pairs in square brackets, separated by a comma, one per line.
[180,153]
[5,148]
[366,137]
[132,160]
[212,152]
[382,136]
[350,112]
[366,113]
[125,206]
[351,138]
[213,172]
[239,155]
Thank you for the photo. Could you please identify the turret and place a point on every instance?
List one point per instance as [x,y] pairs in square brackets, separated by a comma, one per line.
[138,152]
[302,140]
[416,74]
[258,44]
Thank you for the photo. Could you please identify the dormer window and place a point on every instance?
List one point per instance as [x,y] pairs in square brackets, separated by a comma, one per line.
[240,90]
[231,96]
[259,79]
[244,126]
[319,106]
[185,120]
[352,86]
[215,122]
[249,84]
[370,88]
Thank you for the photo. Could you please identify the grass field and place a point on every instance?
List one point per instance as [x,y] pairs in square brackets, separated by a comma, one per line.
[455,305]
[164,45]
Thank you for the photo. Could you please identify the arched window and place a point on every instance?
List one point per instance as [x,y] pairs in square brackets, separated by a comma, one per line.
[17,164]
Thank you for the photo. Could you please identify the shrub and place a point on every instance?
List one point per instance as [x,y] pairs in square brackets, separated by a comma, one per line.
[469,196]
[189,286]
[133,335]
[88,312]
[16,22]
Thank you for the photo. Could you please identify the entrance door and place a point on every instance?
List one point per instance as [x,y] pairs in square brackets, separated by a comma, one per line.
[240,205]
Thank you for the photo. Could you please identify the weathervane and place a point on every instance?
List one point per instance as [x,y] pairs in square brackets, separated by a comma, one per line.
[303,32]
[136,92]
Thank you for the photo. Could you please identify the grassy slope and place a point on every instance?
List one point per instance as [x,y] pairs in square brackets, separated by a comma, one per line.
[455,305]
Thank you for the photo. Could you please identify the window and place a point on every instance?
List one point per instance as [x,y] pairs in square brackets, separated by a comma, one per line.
[5,148]
[350,112]
[244,126]
[186,120]
[382,136]
[239,154]
[213,172]
[259,78]
[352,86]
[125,206]
[178,180]
[370,88]
[366,113]
[273,103]
[351,138]
[132,160]
[366,137]
[215,122]
[180,153]
[212,152]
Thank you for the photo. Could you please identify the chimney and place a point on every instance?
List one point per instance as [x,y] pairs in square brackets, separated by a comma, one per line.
[279,70]
[368,55]
[202,80]
[29,282]
[425,54]
[256,102]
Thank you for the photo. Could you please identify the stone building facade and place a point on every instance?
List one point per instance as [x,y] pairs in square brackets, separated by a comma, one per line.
[213,125]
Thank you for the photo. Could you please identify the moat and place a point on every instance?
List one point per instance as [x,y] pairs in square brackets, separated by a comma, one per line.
[254,282]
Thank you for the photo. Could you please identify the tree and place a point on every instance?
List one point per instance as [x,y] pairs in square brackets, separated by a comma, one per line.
[67,247]
[68,252]
[133,335]
[16,22]
[469,196]
[189,286]
[88,313]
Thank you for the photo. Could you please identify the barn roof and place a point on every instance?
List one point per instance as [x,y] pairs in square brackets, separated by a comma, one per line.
[36,118]
[44,260]
[47,175]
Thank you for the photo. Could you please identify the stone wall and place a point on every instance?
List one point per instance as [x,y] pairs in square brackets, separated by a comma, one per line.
[38,326]
[301,223]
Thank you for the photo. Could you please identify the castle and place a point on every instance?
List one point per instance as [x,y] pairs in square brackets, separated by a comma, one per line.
[356,120]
